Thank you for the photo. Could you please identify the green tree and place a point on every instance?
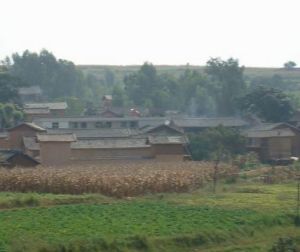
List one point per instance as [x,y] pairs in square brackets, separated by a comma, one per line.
[9,87]
[10,115]
[270,104]
[211,143]
[142,85]
[289,65]
[228,82]
[216,144]
[57,78]
[119,96]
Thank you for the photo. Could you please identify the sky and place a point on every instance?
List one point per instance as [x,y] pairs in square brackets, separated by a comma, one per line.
[262,33]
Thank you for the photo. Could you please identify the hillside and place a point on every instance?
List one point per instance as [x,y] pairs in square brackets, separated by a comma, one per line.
[250,72]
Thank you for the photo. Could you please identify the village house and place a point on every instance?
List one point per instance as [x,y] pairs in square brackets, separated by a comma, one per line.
[64,146]
[39,110]
[188,124]
[274,141]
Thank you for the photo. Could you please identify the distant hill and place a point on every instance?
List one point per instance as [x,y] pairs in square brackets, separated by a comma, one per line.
[250,72]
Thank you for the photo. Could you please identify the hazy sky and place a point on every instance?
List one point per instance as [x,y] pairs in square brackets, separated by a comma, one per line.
[257,32]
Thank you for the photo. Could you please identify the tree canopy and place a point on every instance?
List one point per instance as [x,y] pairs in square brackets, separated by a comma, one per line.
[213,143]
[270,104]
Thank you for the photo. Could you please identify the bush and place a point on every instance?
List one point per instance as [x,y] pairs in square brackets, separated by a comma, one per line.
[284,244]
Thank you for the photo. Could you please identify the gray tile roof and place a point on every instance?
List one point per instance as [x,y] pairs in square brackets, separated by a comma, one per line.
[98,133]
[38,111]
[32,90]
[56,137]
[111,143]
[49,105]
[3,134]
[209,122]
[6,155]
[270,133]
[30,125]
[168,139]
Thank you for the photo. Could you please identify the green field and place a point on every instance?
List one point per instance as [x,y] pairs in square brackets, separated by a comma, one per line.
[240,217]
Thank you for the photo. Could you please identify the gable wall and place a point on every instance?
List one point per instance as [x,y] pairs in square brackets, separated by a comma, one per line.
[15,136]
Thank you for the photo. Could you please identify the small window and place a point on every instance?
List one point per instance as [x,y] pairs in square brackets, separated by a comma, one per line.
[83,125]
[108,125]
[124,124]
[55,125]
[133,124]
[99,125]
[75,125]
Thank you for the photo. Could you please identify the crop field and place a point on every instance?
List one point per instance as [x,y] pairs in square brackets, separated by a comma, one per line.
[246,214]
[112,179]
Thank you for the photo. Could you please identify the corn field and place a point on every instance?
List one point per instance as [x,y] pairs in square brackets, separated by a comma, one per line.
[111,179]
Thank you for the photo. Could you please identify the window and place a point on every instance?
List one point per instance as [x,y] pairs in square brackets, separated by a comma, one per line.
[124,124]
[108,125]
[83,125]
[133,124]
[55,125]
[74,125]
[99,125]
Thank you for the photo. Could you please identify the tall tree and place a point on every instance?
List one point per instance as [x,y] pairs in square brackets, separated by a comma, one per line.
[9,87]
[57,78]
[270,104]
[228,81]
[143,86]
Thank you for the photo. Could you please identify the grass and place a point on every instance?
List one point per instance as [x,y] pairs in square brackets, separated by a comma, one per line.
[240,217]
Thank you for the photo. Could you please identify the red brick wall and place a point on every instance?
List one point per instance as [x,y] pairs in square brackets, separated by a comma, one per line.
[55,153]
[15,136]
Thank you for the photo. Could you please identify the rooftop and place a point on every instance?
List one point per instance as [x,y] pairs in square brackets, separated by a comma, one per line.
[202,122]
[67,137]
[110,143]
[168,139]
[30,125]
[97,133]
[49,105]
[270,133]
[32,90]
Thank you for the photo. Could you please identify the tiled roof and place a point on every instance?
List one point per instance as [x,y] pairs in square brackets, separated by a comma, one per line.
[36,111]
[56,137]
[49,105]
[98,133]
[6,155]
[167,140]
[111,143]
[209,122]
[3,134]
[32,90]
[270,133]
[30,125]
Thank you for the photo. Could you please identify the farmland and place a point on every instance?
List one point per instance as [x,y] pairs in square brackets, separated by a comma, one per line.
[245,214]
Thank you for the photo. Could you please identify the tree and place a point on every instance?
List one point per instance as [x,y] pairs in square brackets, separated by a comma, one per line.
[228,82]
[208,144]
[270,104]
[57,78]
[9,87]
[142,85]
[289,65]
[216,144]
[10,115]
